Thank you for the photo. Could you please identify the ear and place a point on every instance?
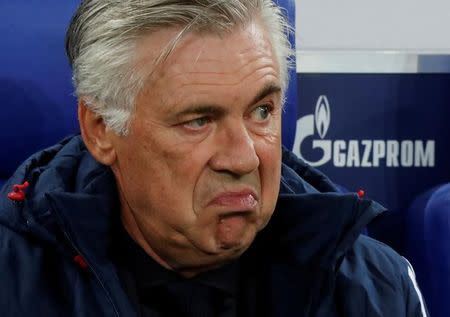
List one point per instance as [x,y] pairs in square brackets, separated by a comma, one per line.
[96,135]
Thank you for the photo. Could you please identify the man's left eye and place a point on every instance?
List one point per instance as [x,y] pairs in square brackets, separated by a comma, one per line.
[262,113]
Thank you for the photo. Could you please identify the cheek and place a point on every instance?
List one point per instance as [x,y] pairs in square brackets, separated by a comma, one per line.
[166,172]
[270,172]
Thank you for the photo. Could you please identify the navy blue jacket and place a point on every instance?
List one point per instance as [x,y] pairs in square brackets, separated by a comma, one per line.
[312,259]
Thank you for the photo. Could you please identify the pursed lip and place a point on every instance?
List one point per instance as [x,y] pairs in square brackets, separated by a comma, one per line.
[236,200]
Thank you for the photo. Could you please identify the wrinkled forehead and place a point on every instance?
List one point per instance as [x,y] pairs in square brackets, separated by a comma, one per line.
[166,49]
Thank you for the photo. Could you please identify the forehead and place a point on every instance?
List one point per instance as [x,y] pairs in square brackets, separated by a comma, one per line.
[208,61]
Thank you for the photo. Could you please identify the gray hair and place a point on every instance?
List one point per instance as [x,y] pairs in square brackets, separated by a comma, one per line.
[103,34]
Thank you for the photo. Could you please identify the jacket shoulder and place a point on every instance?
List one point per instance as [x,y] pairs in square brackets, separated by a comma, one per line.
[21,269]
[38,281]
[374,280]
[375,254]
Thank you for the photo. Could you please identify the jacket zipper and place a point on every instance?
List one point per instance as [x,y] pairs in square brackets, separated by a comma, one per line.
[108,296]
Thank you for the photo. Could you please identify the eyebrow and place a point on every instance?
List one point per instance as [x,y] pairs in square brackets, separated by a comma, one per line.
[203,109]
[268,89]
[217,110]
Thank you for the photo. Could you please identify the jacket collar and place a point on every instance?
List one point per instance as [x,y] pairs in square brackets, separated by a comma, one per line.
[88,217]
[318,228]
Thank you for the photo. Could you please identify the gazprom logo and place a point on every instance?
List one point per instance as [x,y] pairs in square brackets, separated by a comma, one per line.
[322,116]
[357,153]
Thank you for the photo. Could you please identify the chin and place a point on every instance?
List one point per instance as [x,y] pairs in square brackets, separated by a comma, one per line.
[212,257]
[233,248]
[226,255]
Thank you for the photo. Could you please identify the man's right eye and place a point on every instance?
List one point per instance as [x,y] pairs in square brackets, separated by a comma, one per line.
[197,124]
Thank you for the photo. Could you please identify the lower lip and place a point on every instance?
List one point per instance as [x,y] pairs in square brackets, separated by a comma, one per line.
[239,202]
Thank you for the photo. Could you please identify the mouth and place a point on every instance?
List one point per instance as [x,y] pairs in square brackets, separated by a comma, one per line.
[235,203]
[235,214]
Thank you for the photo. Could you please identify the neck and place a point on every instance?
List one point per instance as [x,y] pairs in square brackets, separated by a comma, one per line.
[130,225]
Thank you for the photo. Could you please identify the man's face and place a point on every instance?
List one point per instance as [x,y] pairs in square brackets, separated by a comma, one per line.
[199,171]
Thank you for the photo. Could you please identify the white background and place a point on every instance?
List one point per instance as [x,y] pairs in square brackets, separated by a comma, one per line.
[400,25]
[373,36]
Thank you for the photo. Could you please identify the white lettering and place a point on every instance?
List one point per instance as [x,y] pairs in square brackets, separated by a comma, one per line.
[379,152]
[392,153]
[338,156]
[366,154]
[353,154]
[424,157]
[407,153]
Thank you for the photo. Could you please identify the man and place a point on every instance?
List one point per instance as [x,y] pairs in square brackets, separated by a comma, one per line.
[174,201]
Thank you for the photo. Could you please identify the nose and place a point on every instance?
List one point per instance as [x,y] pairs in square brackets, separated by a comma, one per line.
[235,151]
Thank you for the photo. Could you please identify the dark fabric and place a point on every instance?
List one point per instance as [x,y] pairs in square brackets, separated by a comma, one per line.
[157,291]
[310,260]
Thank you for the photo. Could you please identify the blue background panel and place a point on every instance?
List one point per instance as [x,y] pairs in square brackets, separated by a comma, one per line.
[382,107]
[36,93]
